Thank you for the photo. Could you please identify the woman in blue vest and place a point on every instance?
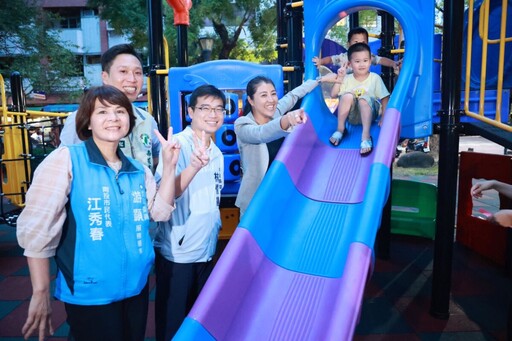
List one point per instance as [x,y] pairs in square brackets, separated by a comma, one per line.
[89,206]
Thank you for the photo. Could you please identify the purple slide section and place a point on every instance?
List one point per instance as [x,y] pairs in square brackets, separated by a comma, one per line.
[344,173]
[280,304]
[252,296]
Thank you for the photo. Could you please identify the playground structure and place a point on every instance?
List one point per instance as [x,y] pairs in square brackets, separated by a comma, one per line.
[19,155]
[321,248]
[298,271]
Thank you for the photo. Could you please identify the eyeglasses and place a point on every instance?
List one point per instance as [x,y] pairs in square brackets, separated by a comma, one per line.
[207,110]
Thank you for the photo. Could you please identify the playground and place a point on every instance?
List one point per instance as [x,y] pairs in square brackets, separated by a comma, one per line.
[356,253]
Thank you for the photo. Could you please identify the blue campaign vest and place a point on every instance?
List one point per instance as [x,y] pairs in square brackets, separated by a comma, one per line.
[105,253]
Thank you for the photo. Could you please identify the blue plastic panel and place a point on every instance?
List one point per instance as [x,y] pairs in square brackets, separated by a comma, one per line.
[224,74]
[415,81]
[225,138]
[231,167]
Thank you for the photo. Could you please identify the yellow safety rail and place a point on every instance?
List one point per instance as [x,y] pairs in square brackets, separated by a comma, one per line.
[15,165]
[161,72]
[483,30]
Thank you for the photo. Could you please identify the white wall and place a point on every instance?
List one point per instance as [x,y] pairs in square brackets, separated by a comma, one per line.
[91,35]
[71,39]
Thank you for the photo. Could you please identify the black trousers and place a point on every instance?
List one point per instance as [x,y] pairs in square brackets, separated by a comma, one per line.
[177,287]
[117,321]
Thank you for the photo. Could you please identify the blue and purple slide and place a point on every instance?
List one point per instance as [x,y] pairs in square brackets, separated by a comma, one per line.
[297,265]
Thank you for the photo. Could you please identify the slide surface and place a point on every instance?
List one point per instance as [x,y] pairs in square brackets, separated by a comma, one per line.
[297,265]
[317,228]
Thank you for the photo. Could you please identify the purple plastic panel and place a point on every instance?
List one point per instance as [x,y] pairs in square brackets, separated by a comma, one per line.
[388,138]
[343,173]
[248,297]
[339,175]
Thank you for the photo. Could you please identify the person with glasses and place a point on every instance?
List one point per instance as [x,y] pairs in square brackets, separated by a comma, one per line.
[185,245]
[261,130]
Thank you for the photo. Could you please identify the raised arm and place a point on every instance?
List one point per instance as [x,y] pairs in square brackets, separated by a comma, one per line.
[340,76]
[322,61]
[503,188]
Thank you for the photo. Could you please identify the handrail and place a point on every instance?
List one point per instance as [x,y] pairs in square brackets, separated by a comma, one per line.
[4,99]
[483,30]
[160,72]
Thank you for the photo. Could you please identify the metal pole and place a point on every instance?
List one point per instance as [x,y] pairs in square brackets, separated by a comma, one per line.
[295,24]
[353,20]
[383,243]
[18,97]
[18,105]
[448,157]
[182,45]
[386,41]
[156,59]
[281,32]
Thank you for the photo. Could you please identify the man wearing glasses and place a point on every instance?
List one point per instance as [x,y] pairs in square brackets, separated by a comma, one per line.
[185,245]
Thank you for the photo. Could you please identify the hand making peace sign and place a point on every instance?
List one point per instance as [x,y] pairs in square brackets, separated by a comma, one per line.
[170,148]
[199,157]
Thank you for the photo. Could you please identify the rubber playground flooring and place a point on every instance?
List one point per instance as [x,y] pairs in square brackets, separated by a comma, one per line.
[396,303]
[395,307]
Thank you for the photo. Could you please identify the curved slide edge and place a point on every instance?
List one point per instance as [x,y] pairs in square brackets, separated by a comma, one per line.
[262,288]
[262,301]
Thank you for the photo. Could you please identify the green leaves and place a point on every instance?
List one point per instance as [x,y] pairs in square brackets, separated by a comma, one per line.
[30,39]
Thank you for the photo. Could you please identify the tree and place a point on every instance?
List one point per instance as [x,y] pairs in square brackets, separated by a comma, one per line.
[127,17]
[230,19]
[31,43]
[227,18]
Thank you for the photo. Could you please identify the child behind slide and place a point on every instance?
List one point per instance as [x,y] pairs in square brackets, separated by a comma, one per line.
[356,35]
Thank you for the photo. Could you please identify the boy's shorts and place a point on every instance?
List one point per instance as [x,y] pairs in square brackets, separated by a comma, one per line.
[354,115]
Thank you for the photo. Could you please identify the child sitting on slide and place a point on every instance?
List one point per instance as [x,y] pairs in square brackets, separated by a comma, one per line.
[359,95]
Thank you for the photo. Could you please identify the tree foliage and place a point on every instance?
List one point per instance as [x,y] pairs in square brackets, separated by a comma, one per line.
[127,17]
[228,19]
[29,37]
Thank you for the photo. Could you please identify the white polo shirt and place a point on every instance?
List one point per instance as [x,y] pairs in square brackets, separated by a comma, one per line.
[191,234]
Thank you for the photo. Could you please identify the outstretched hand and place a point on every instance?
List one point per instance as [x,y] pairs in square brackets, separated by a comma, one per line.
[479,187]
[199,157]
[329,78]
[296,117]
[170,148]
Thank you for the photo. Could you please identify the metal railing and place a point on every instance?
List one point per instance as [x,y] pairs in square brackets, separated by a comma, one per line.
[17,157]
[483,31]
